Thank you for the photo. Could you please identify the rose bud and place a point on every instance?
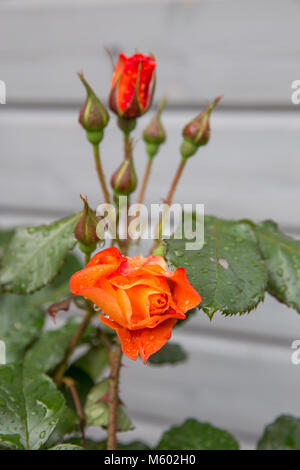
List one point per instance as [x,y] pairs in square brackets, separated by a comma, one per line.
[132,86]
[154,134]
[85,230]
[197,132]
[124,180]
[93,116]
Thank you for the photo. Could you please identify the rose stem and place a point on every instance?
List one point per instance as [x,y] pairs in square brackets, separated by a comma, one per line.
[113,398]
[168,200]
[175,181]
[73,343]
[102,180]
[127,146]
[100,173]
[69,382]
[144,185]
[127,154]
[145,181]
[127,241]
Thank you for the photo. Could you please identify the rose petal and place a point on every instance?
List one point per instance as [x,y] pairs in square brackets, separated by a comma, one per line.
[118,69]
[183,293]
[108,256]
[88,277]
[136,264]
[145,341]
[107,302]
[157,283]
[155,320]
[139,299]
[124,304]
[129,339]
[156,260]
[151,340]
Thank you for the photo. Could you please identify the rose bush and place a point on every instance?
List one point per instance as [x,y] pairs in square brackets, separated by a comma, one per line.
[139,297]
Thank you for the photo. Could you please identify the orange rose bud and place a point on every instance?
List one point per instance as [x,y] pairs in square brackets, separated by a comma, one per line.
[124,180]
[132,85]
[140,299]
[154,134]
[197,132]
[85,230]
[93,116]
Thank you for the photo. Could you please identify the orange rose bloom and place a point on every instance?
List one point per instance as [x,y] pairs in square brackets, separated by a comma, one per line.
[140,298]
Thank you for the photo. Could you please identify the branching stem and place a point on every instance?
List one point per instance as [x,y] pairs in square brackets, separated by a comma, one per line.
[100,173]
[69,382]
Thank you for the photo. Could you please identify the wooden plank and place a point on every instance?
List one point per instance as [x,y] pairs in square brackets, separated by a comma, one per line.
[249,169]
[246,50]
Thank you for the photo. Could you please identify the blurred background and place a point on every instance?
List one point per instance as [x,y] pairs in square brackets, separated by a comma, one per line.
[239,375]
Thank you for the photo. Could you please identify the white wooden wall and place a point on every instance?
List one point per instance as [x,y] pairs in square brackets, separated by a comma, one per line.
[239,375]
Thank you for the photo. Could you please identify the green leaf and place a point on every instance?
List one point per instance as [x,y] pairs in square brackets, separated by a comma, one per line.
[5,238]
[83,383]
[60,287]
[70,266]
[228,271]
[30,407]
[282,434]
[49,350]
[36,254]
[68,423]
[66,447]
[171,353]
[96,410]
[20,323]
[282,258]
[193,435]
[94,361]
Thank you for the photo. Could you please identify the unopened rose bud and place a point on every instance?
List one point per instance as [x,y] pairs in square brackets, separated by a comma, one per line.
[124,180]
[85,230]
[197,132]
[154,134]
[93,116]
[132,85]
